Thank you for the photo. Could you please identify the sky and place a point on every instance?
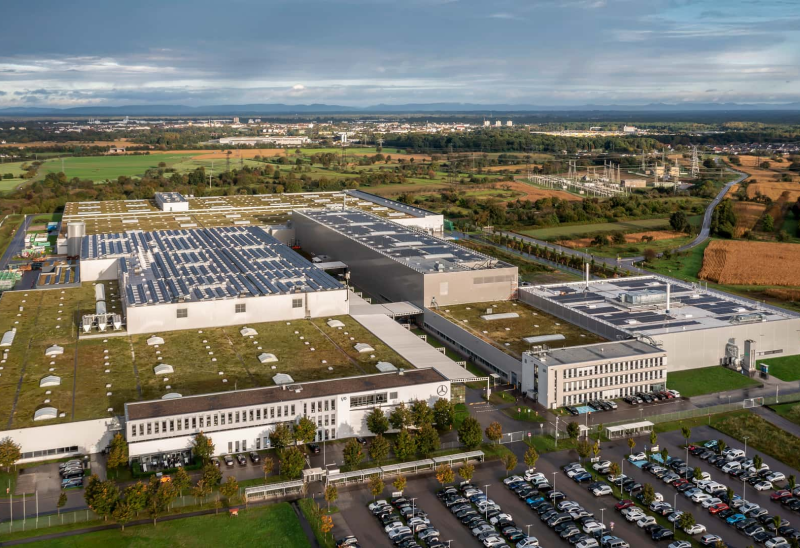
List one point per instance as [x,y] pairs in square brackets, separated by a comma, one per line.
[368,52]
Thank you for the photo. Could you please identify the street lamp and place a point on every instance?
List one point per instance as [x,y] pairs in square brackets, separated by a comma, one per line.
[554,481]
[602,512]
[744,490]
[674,509]
[745,438]
[413,506]
[529,529]
[486,492]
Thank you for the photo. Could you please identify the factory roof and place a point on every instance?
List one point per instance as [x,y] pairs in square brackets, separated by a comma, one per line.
[639,305]
[279,394]
[631,349]
[170,197]
[205,264]
[412,248]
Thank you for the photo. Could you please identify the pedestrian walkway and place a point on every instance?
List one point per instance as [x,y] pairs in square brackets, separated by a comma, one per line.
[784,424]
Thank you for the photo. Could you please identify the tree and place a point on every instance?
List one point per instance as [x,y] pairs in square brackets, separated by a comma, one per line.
[405,446]
[421,414]
[613,470]
[664,455]
[791,481]
[469,433]
[352,453]
[757,462]
[379,449]
[494,432]
[444,474]
[427,440]
[650,255]
[530,457]
[181,480]
[62,501]
[687,433]
[118,452]
[510,462]
[686,520]
[679,222]
[229,489]
[648,494]
[101,496]
[292,462]
[400,483]
[721,446]
[136,496]
[768,223]
[211,474]
[400,417]
[160,494]
[618,238]
[653,439]
[122,514]
[777,521]
[202,447]
[376,486]
[377,423]
[631,444]
[305,430]
[601,240]
[573,430]
[467,471]
[583,449]
[10,453]
[444,413]
[698,473]
[267,465]
[281,437]
[326,525]
[596,449]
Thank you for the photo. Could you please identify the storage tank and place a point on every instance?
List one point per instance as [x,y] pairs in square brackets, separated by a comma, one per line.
[100,307]
[76,230]
[100,292]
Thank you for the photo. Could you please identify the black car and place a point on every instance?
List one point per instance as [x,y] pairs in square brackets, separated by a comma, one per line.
[725,514]
[255,457]
[661,534]
[361,440]
[572,410]
[241,460]
[314,448]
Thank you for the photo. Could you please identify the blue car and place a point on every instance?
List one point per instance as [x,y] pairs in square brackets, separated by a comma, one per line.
[585,476]
[736,518]
[534,499]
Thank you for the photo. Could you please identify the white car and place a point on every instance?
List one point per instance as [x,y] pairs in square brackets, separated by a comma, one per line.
[710,502]
[635,516]
[575,471]
[602,490]
[601,464]
[762,486]
[680,544]
[751,468]
[482,529]
[704,477]
[394,533]
[498,517]
[645,521]
[731,454]
[592,527]
[675,394]
[731,466]
[393,525]
[674,516]
[587,543]
[637,456]
[710,540]
[748,507]
[696,529]
[777,542]
[491,542]
[529,542]
[373,505]
[531,475]
[700,497]
[713,486]
[775,476]
[512,479]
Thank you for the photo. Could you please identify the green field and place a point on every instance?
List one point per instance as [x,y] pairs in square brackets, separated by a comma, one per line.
[14,168]
[567,232]
[102,168]
[637,249]
[789,411]
[786,368]
[696,382]
[272,525]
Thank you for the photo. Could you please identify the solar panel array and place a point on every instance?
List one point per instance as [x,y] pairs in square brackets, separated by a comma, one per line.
[206,264]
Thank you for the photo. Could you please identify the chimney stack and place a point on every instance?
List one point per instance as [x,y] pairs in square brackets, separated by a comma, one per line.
[668,287]
[587,275]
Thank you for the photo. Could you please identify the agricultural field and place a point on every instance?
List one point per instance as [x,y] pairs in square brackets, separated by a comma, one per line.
[15,168]
[102,168]
[570,232]
[507,334]
[747,216]
[751,263]
[775,171]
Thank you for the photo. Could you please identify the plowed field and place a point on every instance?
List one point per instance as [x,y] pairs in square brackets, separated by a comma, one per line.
[636,237]
[774,190]
[747,215]
[751,263]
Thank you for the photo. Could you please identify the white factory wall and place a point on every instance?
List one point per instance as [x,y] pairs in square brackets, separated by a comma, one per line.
[220,313]
[99,269]
[467,286]
[89,436]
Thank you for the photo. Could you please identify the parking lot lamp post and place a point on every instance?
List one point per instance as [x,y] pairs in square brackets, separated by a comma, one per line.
[744,490]
[674,509]
[413,506]
[486,492]
[554,481]
[529,529]
[602,520]
[745,438]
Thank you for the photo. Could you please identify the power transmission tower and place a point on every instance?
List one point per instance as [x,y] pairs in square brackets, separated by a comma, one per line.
[695,163]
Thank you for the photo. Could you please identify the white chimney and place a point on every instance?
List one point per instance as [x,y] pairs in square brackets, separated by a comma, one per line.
[668,286]
[587,275]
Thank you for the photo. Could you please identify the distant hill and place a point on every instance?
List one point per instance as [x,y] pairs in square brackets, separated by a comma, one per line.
[284,109]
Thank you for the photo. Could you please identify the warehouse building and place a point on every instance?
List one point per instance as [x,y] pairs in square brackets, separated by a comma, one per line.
[188,279]
[697,327]
[242,420]
[395,263]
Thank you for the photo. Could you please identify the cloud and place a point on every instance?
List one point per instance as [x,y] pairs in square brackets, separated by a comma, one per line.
[503,15]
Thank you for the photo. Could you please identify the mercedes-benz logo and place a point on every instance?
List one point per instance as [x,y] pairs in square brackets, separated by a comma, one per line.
[442,390]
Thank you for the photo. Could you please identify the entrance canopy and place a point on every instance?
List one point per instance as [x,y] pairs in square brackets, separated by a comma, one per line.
[629,430]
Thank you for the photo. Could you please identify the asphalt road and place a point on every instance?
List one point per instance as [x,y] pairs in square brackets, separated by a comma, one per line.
[17,243]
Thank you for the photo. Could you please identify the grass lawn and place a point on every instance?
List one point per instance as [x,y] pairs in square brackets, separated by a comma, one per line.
[762,436]
[313,514]
[637,249]
[707,380]
[101,168]
[790,411]
[786,368]
[276,524]
[8,229]
[566,232]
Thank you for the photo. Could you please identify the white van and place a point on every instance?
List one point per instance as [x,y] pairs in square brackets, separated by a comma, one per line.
[734,454]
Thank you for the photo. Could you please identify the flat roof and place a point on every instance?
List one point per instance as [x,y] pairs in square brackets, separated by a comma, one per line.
[691,306]
[276,394]
[617,350]
[205,264]
[412,248]
[170,197]
[629,426]
[209,211]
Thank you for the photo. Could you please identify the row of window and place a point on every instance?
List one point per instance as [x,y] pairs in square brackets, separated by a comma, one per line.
[371,399]
[615,380]
[602,395]
[616,367]
[238,308]
[227,418]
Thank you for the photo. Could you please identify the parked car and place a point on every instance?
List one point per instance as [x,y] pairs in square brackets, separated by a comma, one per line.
[254,457]
[228,460]
[241,460]
[314,448]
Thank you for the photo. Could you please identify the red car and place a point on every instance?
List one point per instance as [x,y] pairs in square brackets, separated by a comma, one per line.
[780,495]
[679,482]
[717,508]
[621,505]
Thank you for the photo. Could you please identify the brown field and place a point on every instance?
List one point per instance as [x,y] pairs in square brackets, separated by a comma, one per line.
[747,215]
[533,193]
[633,238]
[42,144]
[773,173]
[784,294]
[518,167]
[774,190]
[751,263]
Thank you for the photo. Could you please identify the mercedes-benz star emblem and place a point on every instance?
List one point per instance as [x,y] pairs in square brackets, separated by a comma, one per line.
[442,390]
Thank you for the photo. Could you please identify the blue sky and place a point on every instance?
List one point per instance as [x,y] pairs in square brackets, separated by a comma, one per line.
[365,52]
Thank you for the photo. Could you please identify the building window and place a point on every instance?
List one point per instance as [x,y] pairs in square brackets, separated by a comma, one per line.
[293,413]
[305,409]
[237,417]
[272,412]
[133,431]
[258,443]
[370,399]
[241,308]
[279,411]
[194,422]
[244,445]
[216,420]
[230,447]
[326,405]
[333,402]
[183,313]
[313,407]
[297,303]
[171,426]
[258,414]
